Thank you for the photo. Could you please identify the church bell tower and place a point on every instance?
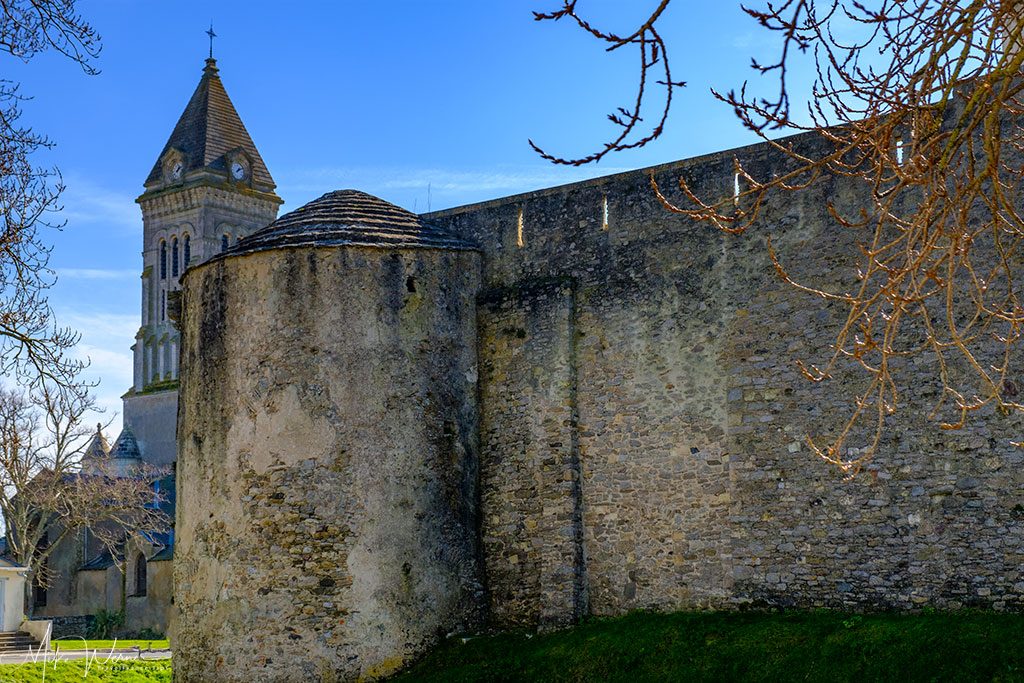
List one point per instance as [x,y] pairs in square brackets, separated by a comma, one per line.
[208,188]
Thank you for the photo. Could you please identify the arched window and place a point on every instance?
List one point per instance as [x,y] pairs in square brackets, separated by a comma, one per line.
[163,260]
[225,239]
[163,306]
[188,250]
[140,575]
[174,257]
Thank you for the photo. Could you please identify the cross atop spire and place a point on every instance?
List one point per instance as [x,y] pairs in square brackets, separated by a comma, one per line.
[212,36]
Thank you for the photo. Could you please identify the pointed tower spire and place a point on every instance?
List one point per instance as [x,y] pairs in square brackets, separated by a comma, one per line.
[126,447]
[98,448]
[210,142]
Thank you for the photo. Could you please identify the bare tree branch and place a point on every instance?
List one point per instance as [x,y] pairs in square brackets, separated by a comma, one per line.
[652,54]
[49,491]
[919,106]
[33,347]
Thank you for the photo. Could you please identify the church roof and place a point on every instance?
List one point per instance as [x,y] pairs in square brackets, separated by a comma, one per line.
[349,217]
[166,553]
[126,446]
[102,561]
[208,130]
[98,447]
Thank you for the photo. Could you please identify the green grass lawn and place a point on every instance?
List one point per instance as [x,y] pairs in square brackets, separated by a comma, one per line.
[78,644]
[820,646]
[98,672]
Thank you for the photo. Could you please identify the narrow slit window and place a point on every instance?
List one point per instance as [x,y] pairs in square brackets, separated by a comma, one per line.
[188,249]
[736,188]
[140,575]
[225,240]
[519,229]
[163,306]
[174,257]
[163,260]
[604,212]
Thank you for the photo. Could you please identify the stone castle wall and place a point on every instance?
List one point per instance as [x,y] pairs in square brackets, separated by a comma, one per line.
[379,446]
[326,516]
[643,419]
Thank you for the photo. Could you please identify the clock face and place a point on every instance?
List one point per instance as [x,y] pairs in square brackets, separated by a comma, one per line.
[176,171]
[237,170]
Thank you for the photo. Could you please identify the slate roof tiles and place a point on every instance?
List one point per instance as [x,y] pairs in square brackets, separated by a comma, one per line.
[208,130]
[349,217]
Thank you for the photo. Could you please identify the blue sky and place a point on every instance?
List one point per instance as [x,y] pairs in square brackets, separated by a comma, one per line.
[423,103]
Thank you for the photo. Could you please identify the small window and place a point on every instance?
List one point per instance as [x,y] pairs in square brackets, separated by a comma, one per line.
[174,257]
[140,575]
[225,240]
[163,260]
[188,250]
[163,306]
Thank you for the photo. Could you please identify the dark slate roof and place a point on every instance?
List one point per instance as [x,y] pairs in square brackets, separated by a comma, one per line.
[208,129]
[102,561]
[166,553]
[126,446]
[164,540]
[168,494]
[98,447]
[10,564]
[349,217]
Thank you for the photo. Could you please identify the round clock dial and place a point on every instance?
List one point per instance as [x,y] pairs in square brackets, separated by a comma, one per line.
[237,170]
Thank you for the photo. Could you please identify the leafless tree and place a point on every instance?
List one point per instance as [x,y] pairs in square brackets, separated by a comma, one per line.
[920,105]
[46,495]
[33,347]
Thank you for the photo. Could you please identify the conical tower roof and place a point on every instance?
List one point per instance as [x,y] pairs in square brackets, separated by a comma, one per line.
[208,130]
[98,447]
[349,217]
[126,446]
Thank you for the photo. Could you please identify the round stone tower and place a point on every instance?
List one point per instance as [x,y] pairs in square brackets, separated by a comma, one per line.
[328,457]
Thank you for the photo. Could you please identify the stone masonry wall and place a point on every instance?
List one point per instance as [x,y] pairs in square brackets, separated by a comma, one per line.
[77,626]
[695,487]
[327,469]
[532,533]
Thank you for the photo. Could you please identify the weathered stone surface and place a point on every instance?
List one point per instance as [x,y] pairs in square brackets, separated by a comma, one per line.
[328,462]
[71,626]
[641,434]
[532,530]
[696,488]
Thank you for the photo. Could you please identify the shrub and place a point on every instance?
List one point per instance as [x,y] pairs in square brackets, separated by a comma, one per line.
[106,623]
